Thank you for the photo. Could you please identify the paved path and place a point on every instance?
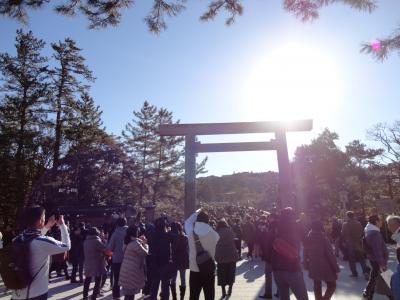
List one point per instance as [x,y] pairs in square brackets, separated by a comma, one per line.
[249,284]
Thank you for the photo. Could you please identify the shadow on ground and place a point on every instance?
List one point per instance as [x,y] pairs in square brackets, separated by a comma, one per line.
[249,284]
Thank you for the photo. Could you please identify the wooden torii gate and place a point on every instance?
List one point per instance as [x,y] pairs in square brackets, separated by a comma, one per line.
[190,131]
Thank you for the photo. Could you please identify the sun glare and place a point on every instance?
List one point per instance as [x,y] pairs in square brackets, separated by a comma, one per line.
[293,82]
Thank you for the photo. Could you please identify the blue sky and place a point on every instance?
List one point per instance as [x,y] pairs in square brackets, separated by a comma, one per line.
[207,72]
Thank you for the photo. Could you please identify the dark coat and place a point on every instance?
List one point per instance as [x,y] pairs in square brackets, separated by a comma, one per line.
[336,229]
[248,230]
[286,231]
[225,251]
[266,241]
[238,231]
[159,249]
[377,250]
[180,252]
[76,253]
[352,234]
[322,261]
[62,257]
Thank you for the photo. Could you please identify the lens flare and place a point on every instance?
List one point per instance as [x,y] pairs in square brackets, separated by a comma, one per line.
[376,45]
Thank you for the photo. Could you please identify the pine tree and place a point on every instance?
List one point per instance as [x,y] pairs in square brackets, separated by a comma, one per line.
[159,158]
[93,171]
[24,106]
[140,139]
[90,149]
[167,153]
[85,127]
[69,80]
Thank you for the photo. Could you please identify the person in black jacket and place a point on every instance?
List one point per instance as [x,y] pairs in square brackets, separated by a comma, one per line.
[285,257]
[322,262]
[237,229]
[248,230]
[265,244]
[180,258]
[58,261]
[160,242]
[76,256]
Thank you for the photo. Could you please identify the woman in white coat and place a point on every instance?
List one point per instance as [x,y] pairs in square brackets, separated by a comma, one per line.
[198,230]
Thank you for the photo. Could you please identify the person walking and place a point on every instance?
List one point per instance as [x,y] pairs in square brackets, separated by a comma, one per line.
[395,279]
[95,264]
[76,256]
[393,223]
[266,240]
[132,276]
[248,230]
[303,228]
[237,229]
[202,240]
[336,228]
[115,245]
[352,234]
[160,261]
[41,247]
[226,257]
[376,252]
[58,261]
[285,257]
[322,262]
[180,258]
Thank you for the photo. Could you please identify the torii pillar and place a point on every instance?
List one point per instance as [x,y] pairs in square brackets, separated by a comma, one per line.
[190,131]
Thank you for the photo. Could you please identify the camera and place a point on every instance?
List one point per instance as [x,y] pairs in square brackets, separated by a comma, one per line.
[56,214]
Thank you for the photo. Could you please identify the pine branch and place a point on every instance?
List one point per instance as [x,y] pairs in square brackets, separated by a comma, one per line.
[381,48]
[156,19]
[234,8]
[308,10]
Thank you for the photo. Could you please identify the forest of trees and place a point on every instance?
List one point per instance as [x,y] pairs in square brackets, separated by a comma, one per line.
[322,174]
[54,149]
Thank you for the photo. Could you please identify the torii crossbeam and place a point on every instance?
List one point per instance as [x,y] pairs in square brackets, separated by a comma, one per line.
[190,131]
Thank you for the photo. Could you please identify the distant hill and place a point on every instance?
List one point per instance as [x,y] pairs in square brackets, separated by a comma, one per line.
[254,189]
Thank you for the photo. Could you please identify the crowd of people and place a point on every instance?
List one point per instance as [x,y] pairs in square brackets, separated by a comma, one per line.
[148,260]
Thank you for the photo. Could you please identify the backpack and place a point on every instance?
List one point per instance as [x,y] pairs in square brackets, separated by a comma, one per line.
[204,260]
[14,264]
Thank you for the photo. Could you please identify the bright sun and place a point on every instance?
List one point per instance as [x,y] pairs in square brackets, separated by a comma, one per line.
[293,82]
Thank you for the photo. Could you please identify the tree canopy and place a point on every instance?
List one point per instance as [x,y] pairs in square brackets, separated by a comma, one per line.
[104,13]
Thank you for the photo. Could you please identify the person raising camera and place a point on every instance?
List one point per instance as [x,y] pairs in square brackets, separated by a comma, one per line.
[38,249]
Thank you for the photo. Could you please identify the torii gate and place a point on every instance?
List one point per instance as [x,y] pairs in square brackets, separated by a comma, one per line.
[190,131]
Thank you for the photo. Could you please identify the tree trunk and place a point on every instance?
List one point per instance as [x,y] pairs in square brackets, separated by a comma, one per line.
[57,141]
[156,187]
[58,128]
[143,173]
[19,157]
